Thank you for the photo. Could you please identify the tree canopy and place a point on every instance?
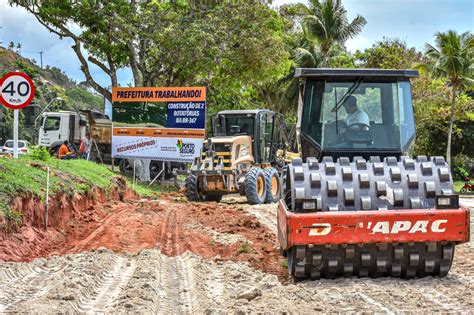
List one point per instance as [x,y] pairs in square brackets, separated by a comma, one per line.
[168,42]
[451,58]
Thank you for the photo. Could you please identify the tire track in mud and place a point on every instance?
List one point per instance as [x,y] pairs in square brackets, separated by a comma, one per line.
[9,274]
[110,287]
[173,275]
[82,244]
[28,285]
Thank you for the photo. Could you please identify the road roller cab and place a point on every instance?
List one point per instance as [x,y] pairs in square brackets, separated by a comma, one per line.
[356,112]
[356,204]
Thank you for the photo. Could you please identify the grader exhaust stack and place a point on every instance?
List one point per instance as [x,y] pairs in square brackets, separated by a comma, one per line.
[358,205]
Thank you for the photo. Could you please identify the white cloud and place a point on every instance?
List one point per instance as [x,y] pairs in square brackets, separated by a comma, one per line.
[358,43]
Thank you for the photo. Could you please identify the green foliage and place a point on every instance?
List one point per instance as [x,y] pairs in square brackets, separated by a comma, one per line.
[32,72]
[284,263]
[326,22]
[388,54]
[39,153]
[452,59]
[245,248]
[228,46]
[145,190]
[325,29]
[463,166]
[26,174]
[84,99]
[12,218]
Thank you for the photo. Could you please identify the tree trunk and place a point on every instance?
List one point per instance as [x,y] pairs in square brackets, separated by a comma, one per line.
[451,123]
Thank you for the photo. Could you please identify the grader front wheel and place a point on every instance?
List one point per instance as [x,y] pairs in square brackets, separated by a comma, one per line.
[192,189]
[255,187]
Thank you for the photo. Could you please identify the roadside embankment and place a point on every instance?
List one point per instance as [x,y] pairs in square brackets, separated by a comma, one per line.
[76,188]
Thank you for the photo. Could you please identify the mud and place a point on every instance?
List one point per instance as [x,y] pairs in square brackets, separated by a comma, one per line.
[33,239]
[182,258]
[212,230]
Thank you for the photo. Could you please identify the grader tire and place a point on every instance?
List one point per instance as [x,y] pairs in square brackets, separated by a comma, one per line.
[192,189]
[366,185]
[273,185]
[255,188]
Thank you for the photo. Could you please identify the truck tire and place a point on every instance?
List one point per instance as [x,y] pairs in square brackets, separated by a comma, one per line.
[125,167]
[255,188]
[54,151]
[192,189]
[273,185]
[463,190]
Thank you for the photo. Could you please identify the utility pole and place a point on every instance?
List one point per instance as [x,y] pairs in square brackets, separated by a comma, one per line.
[41,58]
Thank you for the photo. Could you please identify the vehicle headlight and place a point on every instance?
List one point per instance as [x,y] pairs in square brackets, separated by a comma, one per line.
[447,201]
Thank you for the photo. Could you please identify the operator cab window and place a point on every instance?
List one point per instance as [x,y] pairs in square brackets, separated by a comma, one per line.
[356,114]
[234,125]
[52,123]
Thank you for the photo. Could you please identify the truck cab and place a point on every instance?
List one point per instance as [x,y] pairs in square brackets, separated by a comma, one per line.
[59,126]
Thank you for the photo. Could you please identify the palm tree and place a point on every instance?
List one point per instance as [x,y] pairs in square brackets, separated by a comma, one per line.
[325,23]
[18,47]
[11,46]
[451,58]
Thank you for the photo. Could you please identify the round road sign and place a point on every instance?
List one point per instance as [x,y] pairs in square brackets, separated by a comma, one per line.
[16,90]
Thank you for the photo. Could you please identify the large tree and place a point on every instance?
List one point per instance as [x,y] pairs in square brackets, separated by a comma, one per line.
[168,42]
[389,53]
[326,22]
[451,58]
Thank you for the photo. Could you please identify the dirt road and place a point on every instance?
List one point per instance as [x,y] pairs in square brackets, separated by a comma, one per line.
[187,259]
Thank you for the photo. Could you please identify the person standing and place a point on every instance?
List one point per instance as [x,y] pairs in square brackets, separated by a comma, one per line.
[84,147]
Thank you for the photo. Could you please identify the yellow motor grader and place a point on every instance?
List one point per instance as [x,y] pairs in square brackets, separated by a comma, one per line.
[244,155]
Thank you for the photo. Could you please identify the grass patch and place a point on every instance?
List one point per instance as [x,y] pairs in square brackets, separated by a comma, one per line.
[12,218]
[284,263]
[144,190]
[245,247]
[29,175]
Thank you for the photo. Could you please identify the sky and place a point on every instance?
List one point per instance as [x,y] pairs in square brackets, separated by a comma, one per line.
[414,21]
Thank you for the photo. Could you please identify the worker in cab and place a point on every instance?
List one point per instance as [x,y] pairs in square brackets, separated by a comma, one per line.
[357,118]
[64,152]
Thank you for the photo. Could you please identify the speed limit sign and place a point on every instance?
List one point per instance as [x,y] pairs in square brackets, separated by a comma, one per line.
[16,90]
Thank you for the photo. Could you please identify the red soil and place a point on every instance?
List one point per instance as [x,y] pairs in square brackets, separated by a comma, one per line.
[130,225]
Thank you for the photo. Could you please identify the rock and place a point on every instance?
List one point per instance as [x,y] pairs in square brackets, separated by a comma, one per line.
[250,294]
[69,298]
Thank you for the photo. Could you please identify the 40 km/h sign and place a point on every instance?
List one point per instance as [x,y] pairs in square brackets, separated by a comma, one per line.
[16,90]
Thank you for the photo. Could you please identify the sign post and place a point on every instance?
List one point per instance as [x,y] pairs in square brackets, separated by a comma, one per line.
[16,91]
